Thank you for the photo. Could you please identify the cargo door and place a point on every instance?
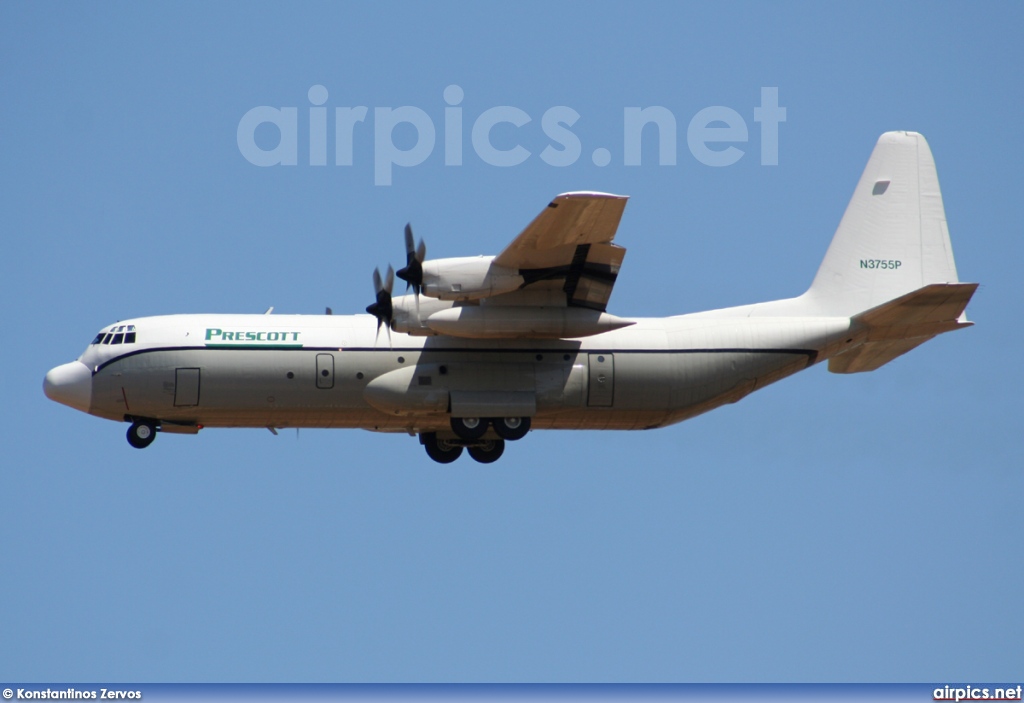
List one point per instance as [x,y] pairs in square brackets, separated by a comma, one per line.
[186,388]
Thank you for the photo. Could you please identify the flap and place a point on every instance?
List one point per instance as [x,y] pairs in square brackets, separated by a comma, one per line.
[568,249]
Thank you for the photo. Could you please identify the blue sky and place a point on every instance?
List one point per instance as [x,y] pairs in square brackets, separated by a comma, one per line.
[827,528]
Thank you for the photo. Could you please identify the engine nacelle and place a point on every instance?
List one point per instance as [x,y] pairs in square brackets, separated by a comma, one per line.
[468,278]
[410,315]
[515,322]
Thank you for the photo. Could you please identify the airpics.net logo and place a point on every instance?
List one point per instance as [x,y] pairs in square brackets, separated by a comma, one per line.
[714,136]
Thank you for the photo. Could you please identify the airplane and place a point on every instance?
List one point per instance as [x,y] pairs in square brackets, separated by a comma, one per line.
[485,349]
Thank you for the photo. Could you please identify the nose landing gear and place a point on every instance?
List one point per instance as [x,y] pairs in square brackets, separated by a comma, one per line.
[141,433]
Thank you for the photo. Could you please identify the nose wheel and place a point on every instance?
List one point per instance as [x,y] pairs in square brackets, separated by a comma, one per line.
[141,434]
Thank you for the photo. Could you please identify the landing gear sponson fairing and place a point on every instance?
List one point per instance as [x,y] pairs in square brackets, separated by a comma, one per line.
[485,349]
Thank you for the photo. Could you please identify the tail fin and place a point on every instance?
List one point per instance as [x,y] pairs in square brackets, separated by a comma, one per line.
[893,238]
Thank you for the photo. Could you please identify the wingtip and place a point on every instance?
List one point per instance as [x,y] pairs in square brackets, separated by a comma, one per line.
[590,194]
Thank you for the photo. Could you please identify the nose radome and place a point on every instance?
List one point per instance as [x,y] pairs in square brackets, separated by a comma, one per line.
[70,384]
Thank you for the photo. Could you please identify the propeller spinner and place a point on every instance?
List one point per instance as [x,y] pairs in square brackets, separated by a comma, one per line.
[382,309]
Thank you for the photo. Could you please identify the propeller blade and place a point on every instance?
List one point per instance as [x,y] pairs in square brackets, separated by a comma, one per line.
[412,272]
[410,251]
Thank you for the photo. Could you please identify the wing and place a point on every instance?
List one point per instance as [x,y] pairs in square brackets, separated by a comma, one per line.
[568,247]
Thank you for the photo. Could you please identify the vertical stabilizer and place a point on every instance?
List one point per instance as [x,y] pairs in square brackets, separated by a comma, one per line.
[893,238]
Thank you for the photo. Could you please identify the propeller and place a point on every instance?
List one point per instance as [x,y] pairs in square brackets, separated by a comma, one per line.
[382,308]
[412,274]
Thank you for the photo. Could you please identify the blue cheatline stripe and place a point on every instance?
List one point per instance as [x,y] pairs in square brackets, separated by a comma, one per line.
[810,353]
[253,346]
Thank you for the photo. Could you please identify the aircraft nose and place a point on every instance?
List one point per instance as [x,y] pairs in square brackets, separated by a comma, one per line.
[70,384]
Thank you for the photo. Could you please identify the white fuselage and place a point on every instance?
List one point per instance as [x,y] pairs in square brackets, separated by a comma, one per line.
[330,371]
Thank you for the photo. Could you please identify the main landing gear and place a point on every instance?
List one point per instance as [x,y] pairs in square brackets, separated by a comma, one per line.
[474,428]
[445,451]
[470,433]
[141,433]
[511,428]
[488,451]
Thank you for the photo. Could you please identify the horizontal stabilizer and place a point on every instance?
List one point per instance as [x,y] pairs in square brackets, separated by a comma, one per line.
[872,355]
[894,328]
[925,312]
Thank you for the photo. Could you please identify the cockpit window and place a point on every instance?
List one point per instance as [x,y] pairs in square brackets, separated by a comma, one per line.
[120,334]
